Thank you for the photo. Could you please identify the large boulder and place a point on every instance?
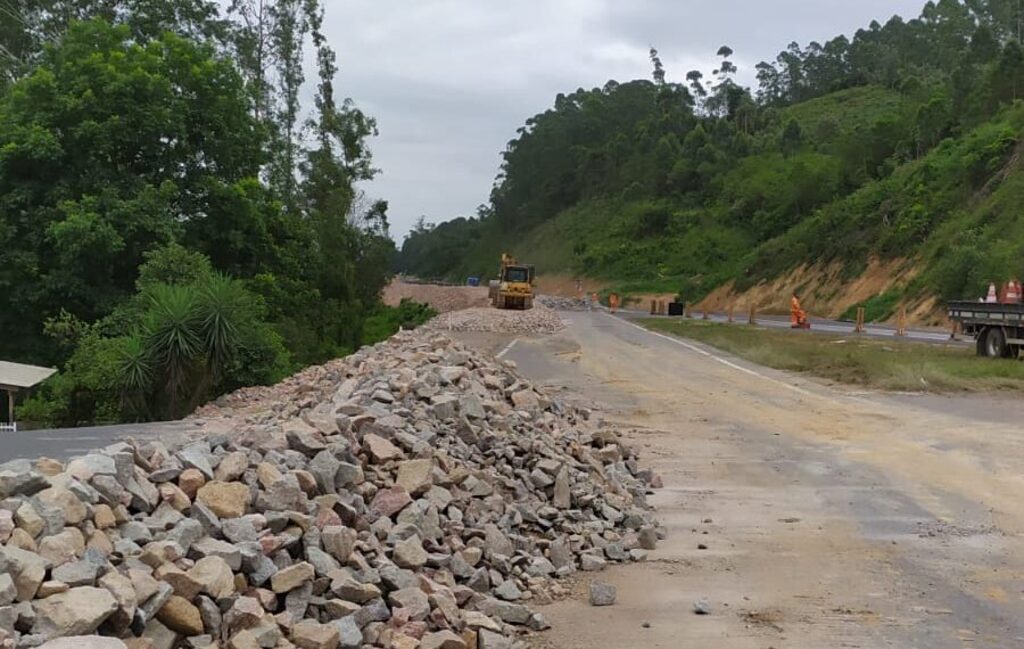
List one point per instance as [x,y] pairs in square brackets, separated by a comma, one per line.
[78,611]
[225,499]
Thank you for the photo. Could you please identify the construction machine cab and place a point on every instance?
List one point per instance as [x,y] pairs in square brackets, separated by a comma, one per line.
[514,287]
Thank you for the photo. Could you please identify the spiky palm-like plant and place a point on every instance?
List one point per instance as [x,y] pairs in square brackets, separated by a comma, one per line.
[172,337]
[135,375]
[223,305]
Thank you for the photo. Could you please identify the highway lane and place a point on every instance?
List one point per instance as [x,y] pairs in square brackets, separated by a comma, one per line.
[820,325]
[63,443]
[805,515]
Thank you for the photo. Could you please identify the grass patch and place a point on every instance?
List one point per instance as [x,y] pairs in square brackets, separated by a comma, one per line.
[883,365]
[876,308]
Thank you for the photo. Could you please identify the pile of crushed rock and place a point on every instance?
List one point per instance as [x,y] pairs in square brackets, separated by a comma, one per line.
[538,320]
[412,495]
[559,303]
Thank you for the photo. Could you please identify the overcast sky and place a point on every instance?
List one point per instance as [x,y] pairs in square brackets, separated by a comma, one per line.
[450,81]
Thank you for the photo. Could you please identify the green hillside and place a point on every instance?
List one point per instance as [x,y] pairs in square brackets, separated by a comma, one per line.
[897,143]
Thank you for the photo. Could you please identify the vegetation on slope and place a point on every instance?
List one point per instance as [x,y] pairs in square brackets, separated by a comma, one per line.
[899,142]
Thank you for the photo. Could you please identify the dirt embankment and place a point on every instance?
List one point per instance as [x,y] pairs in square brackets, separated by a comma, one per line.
[442,298]
[825,292]
[563,285]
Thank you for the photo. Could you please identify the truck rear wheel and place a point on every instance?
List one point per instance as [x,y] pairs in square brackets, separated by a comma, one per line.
[994,342]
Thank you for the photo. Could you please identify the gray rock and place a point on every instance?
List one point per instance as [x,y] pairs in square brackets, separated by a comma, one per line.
[496,542]
[284,494]
[204,516]
[648,538]
[491,640]
[8,593]
[324,467]
[323,563]
[508,591]
[350,636]
[562,498]
[109,489]
[410,553]
[77,573]
[185,533]
[592,562]
[239,530]
[27,569]
[197,456]
[373,611]
[79,611]
[339,541]
[18,478]
[602,594]
[210,547]
[702,607]
[349,475]
[413,600]
[505,611]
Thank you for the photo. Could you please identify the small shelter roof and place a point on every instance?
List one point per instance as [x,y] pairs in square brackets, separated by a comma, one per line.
[16,375]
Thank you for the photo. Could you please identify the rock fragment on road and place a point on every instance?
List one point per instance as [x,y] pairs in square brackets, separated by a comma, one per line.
[602,594]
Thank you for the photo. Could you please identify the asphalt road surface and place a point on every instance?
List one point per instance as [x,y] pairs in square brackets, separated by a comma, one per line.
[62,443]
[828,518]
[820,325]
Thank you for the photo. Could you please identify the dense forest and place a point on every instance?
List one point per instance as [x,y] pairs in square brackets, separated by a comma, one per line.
[900,142]
[174,222]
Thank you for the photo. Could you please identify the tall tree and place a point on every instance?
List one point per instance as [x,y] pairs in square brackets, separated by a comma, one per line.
[658,74]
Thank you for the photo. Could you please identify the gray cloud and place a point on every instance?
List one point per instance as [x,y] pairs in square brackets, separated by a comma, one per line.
[450,81]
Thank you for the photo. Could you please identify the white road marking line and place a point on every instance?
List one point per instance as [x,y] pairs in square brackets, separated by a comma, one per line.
[507,349]
[719,359]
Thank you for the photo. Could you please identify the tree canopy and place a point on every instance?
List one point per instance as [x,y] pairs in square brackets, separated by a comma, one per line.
[171,214]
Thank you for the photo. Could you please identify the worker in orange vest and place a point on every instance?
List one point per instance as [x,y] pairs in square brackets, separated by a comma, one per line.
[797,316]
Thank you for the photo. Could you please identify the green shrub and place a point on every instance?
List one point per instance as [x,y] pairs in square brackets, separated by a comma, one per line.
[877,308]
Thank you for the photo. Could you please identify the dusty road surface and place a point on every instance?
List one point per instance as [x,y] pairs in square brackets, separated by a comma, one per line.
[806,516]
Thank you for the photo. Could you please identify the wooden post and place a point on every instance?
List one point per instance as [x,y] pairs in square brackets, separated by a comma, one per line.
[859,328]
[901,322]
[732,307]
[752,319]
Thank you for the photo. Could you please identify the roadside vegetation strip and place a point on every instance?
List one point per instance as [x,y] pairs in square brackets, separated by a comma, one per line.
[877,364]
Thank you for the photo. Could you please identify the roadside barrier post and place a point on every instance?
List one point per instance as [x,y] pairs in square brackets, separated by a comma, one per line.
[732,308]
[654,307]
[860,321]
[752,319]
[901,322]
